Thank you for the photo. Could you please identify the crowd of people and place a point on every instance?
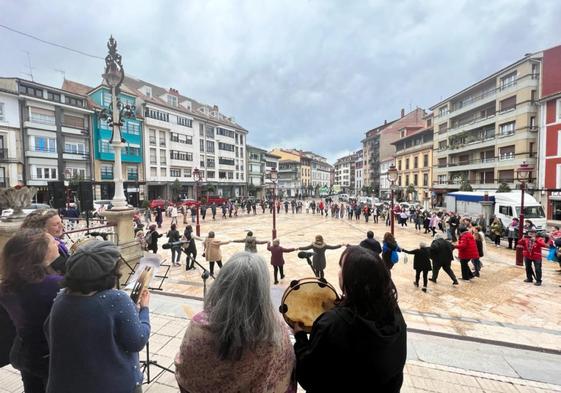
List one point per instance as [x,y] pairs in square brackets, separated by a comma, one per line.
[69,327]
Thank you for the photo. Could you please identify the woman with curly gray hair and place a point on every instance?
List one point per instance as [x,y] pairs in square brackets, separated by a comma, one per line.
[238,343]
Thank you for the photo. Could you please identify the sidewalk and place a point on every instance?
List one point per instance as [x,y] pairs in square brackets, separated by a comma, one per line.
[434,364]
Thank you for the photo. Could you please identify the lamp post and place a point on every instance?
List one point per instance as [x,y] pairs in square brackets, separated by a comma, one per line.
[114,76]
[274,179]
[392,177]
[523,175]
[197,177]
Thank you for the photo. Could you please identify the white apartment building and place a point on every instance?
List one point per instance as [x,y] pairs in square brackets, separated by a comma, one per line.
[182,134]
[345,173]
[359,171]
[11,157]
[385,185]
[321,170]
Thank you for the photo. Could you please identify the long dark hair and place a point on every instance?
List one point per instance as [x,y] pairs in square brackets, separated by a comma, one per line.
[367,285]
[22,259]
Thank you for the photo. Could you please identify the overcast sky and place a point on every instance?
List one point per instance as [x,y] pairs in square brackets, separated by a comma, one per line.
[314,75]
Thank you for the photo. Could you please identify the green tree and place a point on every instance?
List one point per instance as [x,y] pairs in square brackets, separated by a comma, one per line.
[465,186]
[175,189]
[251,189]
[503,187]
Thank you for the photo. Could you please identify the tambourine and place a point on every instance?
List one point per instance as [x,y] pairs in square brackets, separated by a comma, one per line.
[306,299]
[79,243]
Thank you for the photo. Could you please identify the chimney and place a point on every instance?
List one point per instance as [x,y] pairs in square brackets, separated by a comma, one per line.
[215,108]
[402,112]
[385,122]
[173,91]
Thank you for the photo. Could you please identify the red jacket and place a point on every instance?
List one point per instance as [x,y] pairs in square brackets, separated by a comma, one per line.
[467,248]
[535,253]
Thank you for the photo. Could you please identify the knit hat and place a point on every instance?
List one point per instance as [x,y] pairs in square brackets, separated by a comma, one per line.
[463,228]
[94,260]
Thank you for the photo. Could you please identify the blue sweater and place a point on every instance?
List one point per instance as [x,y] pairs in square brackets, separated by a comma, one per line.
[94,342]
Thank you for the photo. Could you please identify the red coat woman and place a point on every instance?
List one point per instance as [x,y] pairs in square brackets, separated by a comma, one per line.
[467,249]
[277,258]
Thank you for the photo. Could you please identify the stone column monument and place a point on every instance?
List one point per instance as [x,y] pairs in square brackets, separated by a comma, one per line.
[15,198]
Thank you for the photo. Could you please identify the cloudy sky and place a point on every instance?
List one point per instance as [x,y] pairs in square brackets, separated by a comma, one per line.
[313,74]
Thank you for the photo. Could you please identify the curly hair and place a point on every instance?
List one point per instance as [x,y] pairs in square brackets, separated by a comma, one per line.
[388,238]
[21,261]
[38,218]
[367,285]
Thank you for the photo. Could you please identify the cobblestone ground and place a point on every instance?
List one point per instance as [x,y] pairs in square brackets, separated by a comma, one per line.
[496,306]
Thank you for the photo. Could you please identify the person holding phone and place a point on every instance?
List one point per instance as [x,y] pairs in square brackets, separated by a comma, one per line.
[532,251]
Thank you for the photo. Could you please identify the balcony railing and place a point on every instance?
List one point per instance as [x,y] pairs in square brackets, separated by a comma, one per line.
[106,176]
[134,176]
[44,149]
[42,119]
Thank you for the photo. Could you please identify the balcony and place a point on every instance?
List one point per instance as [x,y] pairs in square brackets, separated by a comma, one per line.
[133,176]
[75,155]
[106,175]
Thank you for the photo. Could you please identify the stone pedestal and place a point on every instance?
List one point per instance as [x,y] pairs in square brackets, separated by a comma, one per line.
[7,229]
[124,237]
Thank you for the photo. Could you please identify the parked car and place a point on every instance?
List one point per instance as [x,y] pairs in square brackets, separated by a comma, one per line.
[26,210]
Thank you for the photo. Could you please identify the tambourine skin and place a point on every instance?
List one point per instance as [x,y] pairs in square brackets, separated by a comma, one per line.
[305,300]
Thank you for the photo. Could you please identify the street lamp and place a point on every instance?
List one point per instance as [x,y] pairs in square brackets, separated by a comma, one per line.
[114,76]
[523,175]
[274,179]
[392,177]
[197,177]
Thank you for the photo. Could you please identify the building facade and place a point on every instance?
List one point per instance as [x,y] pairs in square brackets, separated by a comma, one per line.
[183,134]
[55,136]
[414,164]
[484,132]
[385,185]
[549,180]
[11,153]
[344,180]
[256,171]
[359,169]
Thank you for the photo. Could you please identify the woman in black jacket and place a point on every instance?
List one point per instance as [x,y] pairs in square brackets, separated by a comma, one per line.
[190,249]
[174,237]
[151,239]
[421,263]
[441,254]
[366,329]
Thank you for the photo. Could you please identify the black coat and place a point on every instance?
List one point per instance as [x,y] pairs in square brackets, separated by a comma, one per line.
[347,353]
[421,259]
[372,245]
[441,252]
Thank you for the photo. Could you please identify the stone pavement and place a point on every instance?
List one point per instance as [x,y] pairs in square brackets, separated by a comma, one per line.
[499,306]
[434,364]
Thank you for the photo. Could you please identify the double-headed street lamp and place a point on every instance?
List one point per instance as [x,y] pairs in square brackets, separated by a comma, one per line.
[114,76]
[274,179]
[392,177]
[523,175]
[197,177]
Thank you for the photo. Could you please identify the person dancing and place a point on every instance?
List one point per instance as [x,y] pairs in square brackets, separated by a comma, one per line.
[318,260]
[212,251]
[250,242]
[277,259]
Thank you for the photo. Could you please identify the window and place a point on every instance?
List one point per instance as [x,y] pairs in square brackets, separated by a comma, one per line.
[163,138]
[132,173]
[506,210]
[442,128]
[407,165]
[48,173]
[2,112]
[163,172]
[532,122]
[132,151]
[43,144]
[53,96]
[226,161]
[487,177]
[508,80]
[506,153]
[106,98]
[241,150]
[183,121]
[105,147]
[201,130]
[42,116]
[425,179]
[407,180]
[153,172]
[222,175]
[162,157]
[443,145]
[399,165]
[73,121]
[443,111]
[74,148]
[31,91]
[74,101]
[153,157]
[132,128]
[507,104]
[507,128]
[425,160]
[174,137]
[210,146]
[106,172]
[175,172]
[230,175]
[442,162]
[415,163]
[210,162]
[187,172]
[210,174]
[76,173]
[241,140]
[415,180]
[225,132]
[558,110]
[158,115]
[172,100]
[210,132]
[181,155]
[535,71]
[202,145]
[237,138]
[152,136]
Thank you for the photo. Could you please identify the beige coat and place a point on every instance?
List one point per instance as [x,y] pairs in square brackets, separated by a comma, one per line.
[212,249]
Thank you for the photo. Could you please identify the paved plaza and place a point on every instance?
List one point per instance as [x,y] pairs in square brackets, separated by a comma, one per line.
[495,334]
